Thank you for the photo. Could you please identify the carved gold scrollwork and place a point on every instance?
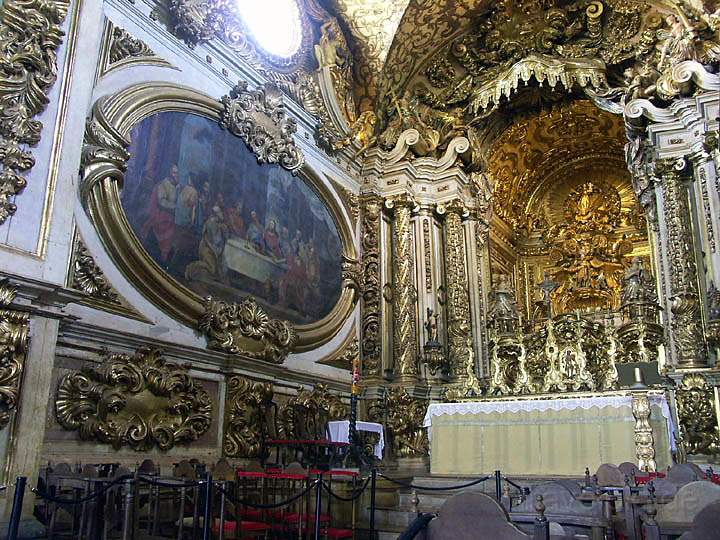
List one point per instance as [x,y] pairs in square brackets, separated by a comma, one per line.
[246,408]
[644,441]
[258,117]
[30,36]
[140,401]
[14,329]
[306,414]
[697,415]
[371,207]
[246,329]
[686,321]
[88,277]
[404,291]
[402,415]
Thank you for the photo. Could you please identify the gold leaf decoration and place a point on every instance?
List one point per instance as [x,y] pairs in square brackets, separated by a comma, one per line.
[14,328]
[30,36]
[247,404]
[139,401]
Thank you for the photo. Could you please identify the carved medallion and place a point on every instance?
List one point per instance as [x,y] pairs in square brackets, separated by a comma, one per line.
[258,117]
[138,401]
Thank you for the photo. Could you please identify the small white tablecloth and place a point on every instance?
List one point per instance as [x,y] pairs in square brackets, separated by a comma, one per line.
[339,431]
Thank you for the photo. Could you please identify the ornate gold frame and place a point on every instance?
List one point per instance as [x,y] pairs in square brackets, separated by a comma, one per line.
[107,137]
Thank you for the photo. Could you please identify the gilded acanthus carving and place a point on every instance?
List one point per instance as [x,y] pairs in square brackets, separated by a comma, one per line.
[259,118]
[88,277]
[306,415]
[245,329]
[686,323]
[460,342]
[246,407]
[404,292]
[696,412]
[402,415]
[346,355]
[644,440]
[371,208]
[14,328]
[640,334]
[567,353]
[30,35]
[140,401]
[124,46]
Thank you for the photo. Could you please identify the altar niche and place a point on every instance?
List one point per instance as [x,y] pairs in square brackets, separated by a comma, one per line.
[224,225]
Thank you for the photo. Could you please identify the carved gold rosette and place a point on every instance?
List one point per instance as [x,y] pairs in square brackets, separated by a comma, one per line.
[14,328]
[307,413]
[246,406]
[370,349]
[404,291]
[259,118]
[30,36]
[139,401]
[686,323]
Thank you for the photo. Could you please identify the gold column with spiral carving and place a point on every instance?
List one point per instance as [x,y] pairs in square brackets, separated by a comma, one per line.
[460,344]
[686,323]
[371,346]
[404,291]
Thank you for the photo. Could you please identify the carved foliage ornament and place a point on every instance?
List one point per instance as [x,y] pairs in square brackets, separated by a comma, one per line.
[306,415]
[14,327]
[139,401]
[259,118]
[227,327]
[247,405]
[88,277]
[696,412]
[402,415]
[29,38]
[370,303]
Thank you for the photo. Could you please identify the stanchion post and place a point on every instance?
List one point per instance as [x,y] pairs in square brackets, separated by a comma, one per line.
[542,527]
[207,514]
[373,484]
[14,524]
[318,505]
[498,486]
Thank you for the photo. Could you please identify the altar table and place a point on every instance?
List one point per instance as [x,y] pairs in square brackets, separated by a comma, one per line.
[531,436]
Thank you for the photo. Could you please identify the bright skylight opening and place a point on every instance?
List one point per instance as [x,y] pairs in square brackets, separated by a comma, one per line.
[275,24]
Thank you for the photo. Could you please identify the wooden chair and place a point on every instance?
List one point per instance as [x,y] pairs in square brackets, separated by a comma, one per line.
[677,516]
[462,516]
[706,524]
[562,507]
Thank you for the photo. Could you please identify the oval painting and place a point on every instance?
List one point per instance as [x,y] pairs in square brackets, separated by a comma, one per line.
[225,226]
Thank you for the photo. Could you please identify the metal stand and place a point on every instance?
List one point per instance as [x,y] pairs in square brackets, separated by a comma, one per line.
[14,524]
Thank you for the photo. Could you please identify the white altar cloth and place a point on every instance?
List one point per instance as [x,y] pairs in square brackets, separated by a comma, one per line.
[541,405]
[537,435]
[339,431]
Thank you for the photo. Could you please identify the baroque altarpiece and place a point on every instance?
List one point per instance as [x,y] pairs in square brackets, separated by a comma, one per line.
[471,201]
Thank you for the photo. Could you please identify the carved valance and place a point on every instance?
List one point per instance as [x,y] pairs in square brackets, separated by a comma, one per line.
[139,401]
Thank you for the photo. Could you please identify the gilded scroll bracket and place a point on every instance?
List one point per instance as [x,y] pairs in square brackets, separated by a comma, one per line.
[14,341]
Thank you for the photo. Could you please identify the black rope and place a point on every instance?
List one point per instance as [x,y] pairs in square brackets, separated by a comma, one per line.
[428,488]
[176,485]
[353,497]
[512,483]
[272,505]
[95,494]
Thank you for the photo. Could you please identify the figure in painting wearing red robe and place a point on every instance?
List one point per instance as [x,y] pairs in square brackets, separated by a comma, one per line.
[271,239]
[161,214]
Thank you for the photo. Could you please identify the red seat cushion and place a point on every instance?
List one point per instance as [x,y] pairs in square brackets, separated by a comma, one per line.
[253,514]
[246,526]
[294,517]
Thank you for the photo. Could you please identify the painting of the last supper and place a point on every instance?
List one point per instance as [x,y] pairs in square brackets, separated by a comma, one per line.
[226,226]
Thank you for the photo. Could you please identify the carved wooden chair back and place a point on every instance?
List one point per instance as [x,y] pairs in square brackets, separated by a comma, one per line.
[147,467]
[688,502]
[706,524]
[610,475]
[684,473]
[462,514]
[629,469]
[185,470]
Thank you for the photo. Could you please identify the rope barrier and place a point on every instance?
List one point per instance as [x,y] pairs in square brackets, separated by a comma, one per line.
[352,497]
[172,485]
[434,488]
[272,505]
[95,494]
[522,489]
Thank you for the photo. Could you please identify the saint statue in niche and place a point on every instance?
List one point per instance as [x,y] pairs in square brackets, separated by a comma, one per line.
[223,225]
